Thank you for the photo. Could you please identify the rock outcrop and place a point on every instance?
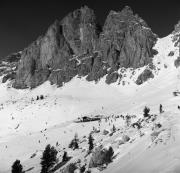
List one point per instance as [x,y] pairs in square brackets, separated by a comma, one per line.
[76,46]
[126,40]
[177,62]
[144,76]
[70,168]
[101,156]
[8,66]
[176,40]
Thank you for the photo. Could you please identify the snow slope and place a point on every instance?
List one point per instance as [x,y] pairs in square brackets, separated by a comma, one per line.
[27,125]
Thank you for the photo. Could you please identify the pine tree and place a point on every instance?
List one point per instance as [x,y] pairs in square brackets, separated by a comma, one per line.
[128,120]
[110,154]
[65,157]
[41,97]
[114,128]
[48,159]
[83,168]
[74,143]
[17,167]
[76,137]
[146,112]
[91,145]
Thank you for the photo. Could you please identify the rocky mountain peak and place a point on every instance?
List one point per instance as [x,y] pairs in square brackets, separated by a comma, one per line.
[177,27]
[176,34]
[79,30]
[75,46]
[127,11]
[128,32]
[123,19]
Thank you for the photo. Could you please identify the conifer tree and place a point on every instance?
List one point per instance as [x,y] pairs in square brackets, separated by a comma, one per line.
[90,142]
[17,167]
[48,159]
[65,157]
[74,143]
[114,128]
[146,112]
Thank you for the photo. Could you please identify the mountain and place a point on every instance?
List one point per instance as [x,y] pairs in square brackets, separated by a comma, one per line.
[79,69]
[78,46]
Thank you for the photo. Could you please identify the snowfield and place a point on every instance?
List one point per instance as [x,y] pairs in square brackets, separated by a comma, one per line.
[27,125]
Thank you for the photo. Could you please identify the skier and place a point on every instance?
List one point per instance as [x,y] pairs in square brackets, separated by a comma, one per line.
[160,108]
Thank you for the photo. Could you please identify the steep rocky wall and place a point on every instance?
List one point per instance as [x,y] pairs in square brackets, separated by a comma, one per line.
[126,40]
[73,46]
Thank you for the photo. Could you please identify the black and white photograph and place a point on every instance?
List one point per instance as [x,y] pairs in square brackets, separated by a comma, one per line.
[89,86]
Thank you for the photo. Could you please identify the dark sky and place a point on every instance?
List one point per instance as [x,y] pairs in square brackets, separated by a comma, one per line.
[21,22]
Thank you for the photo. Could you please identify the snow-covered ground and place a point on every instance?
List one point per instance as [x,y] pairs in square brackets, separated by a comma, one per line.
[27,125]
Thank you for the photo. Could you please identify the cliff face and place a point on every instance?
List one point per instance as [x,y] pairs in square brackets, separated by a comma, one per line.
[75,46]
[8,66]
[127,40]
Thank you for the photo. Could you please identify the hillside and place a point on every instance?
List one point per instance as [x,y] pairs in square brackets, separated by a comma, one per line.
[36,111]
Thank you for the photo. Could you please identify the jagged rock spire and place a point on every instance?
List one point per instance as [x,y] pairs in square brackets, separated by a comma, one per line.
[71,47]
[177,27]
[127,10]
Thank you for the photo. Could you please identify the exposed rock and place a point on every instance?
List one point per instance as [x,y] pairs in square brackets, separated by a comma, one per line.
[177,62]
[126,40]
[101,156]
[79,30]
[154,135]
[120,142]
[105,132]
[171,53]
[177,27]
[111,78]
[14,57]
[76,46]
[8,66]
[9,76]
[70,168]
[144,76]
[176,34]
[98,69]
[46,58]
[125,138]
[51,56]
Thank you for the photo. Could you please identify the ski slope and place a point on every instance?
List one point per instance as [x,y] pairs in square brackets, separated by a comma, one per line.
[27,125]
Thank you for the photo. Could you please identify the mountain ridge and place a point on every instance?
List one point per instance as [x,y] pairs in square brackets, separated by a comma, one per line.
[77,46]
[32,118]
